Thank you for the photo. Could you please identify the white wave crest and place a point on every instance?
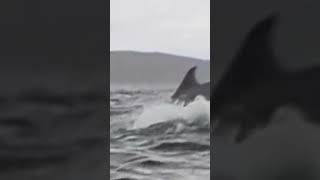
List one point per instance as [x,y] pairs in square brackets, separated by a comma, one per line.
[198,110]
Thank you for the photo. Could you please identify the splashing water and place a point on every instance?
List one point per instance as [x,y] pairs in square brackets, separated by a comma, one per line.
[194,112]
[154,139]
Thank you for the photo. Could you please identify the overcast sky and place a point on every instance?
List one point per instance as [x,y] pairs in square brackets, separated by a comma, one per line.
[173,26]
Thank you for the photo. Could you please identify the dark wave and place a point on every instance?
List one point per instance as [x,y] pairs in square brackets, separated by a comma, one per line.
[177,146]
[125,92]
[159,129]
[135,92]
[126,179]
[117,112]
[151,163]
[123,110]
[115,100]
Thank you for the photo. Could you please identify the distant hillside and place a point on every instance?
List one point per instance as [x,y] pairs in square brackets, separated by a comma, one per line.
[153,68]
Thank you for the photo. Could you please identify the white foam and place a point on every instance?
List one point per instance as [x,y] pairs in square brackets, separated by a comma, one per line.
[197,110]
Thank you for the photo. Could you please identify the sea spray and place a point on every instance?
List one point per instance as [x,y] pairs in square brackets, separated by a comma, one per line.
[196,111]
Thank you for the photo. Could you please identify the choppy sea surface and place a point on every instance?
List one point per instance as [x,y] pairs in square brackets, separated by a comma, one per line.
[52,135]
[154,139]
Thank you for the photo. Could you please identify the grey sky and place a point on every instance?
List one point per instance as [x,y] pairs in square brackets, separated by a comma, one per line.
[172,26]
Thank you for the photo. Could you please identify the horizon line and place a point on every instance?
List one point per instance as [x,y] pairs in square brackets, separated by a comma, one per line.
[158,52]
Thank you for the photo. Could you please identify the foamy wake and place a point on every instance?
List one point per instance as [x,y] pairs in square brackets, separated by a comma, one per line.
[198,110]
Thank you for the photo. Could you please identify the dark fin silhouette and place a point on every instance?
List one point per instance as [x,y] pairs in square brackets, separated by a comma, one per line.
[188,82]
[253,65]
[254,62]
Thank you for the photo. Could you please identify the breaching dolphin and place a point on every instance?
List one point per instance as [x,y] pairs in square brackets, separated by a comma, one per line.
[255,86]
[252,87]
[249,100]
[190,88]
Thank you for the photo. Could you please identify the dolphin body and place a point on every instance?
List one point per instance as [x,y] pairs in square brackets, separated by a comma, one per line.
[190,88]
[256,86]
[268,143]
[253,86]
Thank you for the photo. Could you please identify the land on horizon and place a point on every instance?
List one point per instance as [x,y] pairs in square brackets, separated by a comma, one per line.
[131,67]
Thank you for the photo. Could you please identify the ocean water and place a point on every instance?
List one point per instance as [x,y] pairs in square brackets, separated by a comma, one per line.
[154,139]
[52,135]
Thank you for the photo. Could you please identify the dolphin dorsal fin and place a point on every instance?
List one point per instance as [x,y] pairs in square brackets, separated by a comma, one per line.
[188,82]
[190,79]
[254,62]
